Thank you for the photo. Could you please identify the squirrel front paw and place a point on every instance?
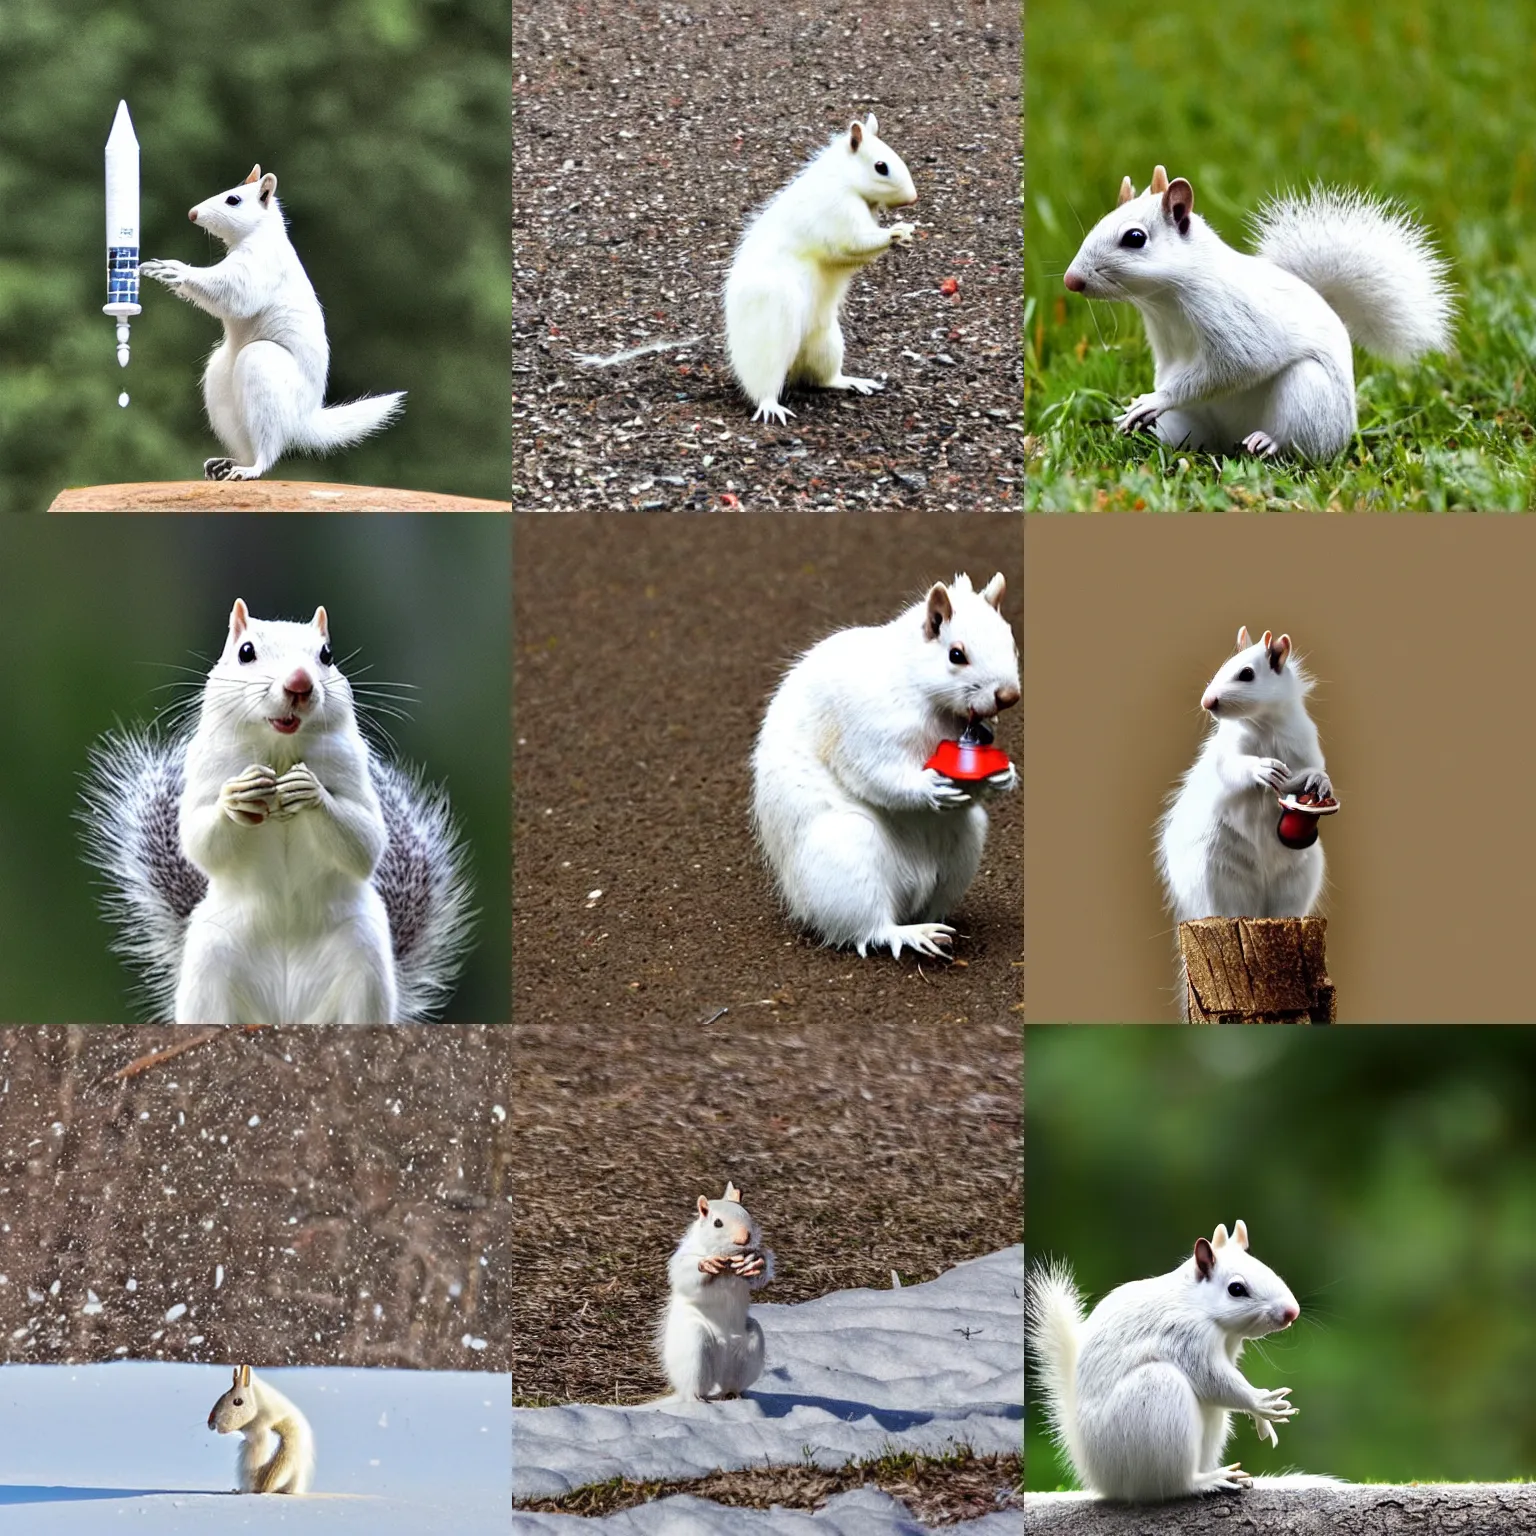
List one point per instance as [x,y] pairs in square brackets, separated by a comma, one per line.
[297,790]
[999,783]
[902,232]
[172,273]
[250,797]
[1143,411]
[748,1265]
[943,794]
[1273,1408]
[1313,782]
[1271,773]
[716,1264]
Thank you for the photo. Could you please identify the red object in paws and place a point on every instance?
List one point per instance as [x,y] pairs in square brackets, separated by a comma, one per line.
[967,762]
[1297,829]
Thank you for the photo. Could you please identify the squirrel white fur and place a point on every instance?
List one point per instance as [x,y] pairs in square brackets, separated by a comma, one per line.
[1255,351]
[258,1411]
[1219,853]
[264,386]
[868,847]
[796,258]
[709,1344]
[269,869]
[1139,1394]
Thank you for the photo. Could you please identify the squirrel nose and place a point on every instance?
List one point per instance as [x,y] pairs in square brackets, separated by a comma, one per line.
[1292,1312]
[1211,702]
[300,684]
[1006,697]
[192,214]
[1073,282]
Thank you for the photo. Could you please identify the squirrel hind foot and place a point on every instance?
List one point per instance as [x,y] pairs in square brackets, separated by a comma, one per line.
[933,939]
[772,411]
[218,469]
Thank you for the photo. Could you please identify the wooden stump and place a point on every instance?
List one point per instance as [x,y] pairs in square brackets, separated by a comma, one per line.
[1256,970]
[262,496]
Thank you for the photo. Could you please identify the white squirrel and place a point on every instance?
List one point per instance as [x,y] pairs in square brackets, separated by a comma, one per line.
[792,267]
[1256,350]
[1219,853]
[264,385]
[1139,1394]
[709,1344]
[270,868]
[258,1411]
[797,256]
[867,845]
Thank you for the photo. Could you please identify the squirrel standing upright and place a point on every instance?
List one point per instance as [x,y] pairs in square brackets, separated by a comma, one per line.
[270,868]
[708,1343]
[258,1411]
[1218,851]
[264,386]
[868,846]
[797,256]
[1139,1395]
[1255,351]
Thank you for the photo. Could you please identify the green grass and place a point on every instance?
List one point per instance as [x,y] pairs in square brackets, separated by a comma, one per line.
[1427,102]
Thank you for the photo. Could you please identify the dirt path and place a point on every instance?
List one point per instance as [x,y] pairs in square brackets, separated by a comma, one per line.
[646,135]
[869,1108]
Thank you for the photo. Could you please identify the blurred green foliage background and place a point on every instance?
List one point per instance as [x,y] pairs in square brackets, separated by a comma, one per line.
[387,123]
[1387,1174]
[1427,101]
[98,614]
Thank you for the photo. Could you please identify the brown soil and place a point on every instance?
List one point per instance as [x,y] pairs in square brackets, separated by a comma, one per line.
[645,137]
[352,1184]
[261,496]
[870,1109]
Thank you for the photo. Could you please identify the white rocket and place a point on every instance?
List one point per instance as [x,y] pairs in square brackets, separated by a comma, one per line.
[122,227]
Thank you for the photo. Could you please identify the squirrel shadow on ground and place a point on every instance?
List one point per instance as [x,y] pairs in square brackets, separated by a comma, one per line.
[779,1405]
[27,1493]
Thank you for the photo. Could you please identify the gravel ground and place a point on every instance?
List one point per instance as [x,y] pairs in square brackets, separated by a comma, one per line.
[645,135]
[287,1197]
[870,1109]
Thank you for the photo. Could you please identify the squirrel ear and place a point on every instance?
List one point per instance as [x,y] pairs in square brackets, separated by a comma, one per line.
[1219,1236]
[703,1205]
[254,176]
[239,617]
[871,125]
[1240,1234]
[1179,203]
[1205,1259]
[321,622]
[940,612]
[992,593]
[855,136]
[1244,639]
[1278,651]
[268,188]
[731,1192]
[1127,191]
[243,1375]
[1159,179]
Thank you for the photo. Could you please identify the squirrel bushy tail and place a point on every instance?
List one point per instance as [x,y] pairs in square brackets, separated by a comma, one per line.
[339,426]
[1054,1321]
[1374,264]
[130,811]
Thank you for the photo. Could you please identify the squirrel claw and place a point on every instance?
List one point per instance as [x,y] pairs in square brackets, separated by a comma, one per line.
[771,410]
[1142,412]
[1261,445]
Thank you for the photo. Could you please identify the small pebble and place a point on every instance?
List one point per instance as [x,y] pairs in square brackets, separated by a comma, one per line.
[122,399]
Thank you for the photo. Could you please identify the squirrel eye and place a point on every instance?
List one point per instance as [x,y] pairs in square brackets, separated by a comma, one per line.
[232,200]
[238,1401]
[326,654]
[1237,1288]
[1134,239]
[881,168]
[1246,675]
[957,656]
[247,652]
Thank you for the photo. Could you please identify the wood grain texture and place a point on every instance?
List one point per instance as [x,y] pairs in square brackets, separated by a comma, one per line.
[261,496]
[1257,970]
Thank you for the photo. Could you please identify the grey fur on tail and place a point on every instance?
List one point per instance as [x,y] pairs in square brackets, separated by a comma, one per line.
[129,811]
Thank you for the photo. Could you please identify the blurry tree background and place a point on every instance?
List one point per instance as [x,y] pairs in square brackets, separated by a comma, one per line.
[110,619]
[1387,1174]
[387,123]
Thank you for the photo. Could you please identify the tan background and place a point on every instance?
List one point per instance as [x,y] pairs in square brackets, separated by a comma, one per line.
[1416,631]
